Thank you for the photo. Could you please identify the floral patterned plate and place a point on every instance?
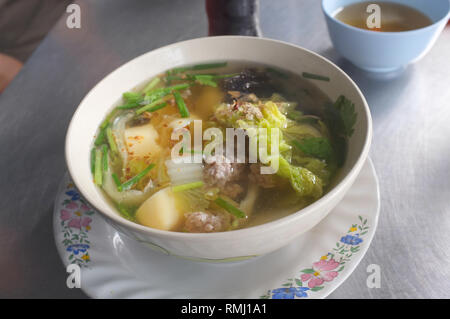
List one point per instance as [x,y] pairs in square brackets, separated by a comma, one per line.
[312,266]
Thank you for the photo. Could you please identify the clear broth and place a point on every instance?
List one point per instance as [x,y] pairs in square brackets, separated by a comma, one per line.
[394,17]
[273,203]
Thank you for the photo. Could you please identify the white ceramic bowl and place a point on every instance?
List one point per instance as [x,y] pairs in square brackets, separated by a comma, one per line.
[235,244]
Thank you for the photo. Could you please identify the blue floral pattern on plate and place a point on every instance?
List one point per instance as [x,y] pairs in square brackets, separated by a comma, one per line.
[325,269]
[76,218]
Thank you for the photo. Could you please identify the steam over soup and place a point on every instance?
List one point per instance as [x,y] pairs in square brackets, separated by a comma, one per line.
[220,146]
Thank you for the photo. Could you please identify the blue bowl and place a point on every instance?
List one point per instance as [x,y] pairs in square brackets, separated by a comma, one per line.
[385,51]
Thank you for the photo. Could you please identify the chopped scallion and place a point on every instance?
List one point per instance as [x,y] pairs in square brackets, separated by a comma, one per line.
[98,173]
[169,89]
[184,187]
[230,208]
[151,97]
[108,118]
[181,105]
[199,77]
[111,141]
[132,97]
[152,107]
[105,157]
[132,100]
[198,67]
[279,73]
[162,92]
[170,78]
[315,77]
[151,85]
[93,160]
[116,181]
[134,180]
[129,106]
[205,80]
[206,66]
[100,137]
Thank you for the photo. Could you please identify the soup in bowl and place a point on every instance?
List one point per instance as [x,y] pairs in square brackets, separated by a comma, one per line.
[204,151]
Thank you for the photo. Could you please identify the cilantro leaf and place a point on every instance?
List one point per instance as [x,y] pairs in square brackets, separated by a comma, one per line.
[347,113]
[340,119]
[319,147]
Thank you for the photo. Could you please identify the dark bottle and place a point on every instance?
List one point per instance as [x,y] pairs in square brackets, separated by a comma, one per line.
[233,17]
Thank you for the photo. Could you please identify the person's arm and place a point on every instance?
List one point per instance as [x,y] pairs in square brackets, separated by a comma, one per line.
[9,67]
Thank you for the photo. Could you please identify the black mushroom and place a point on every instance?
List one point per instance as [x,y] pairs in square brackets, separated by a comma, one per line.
[250,81]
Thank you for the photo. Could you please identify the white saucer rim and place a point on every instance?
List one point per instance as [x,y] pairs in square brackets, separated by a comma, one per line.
[368,240]
[355,261]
